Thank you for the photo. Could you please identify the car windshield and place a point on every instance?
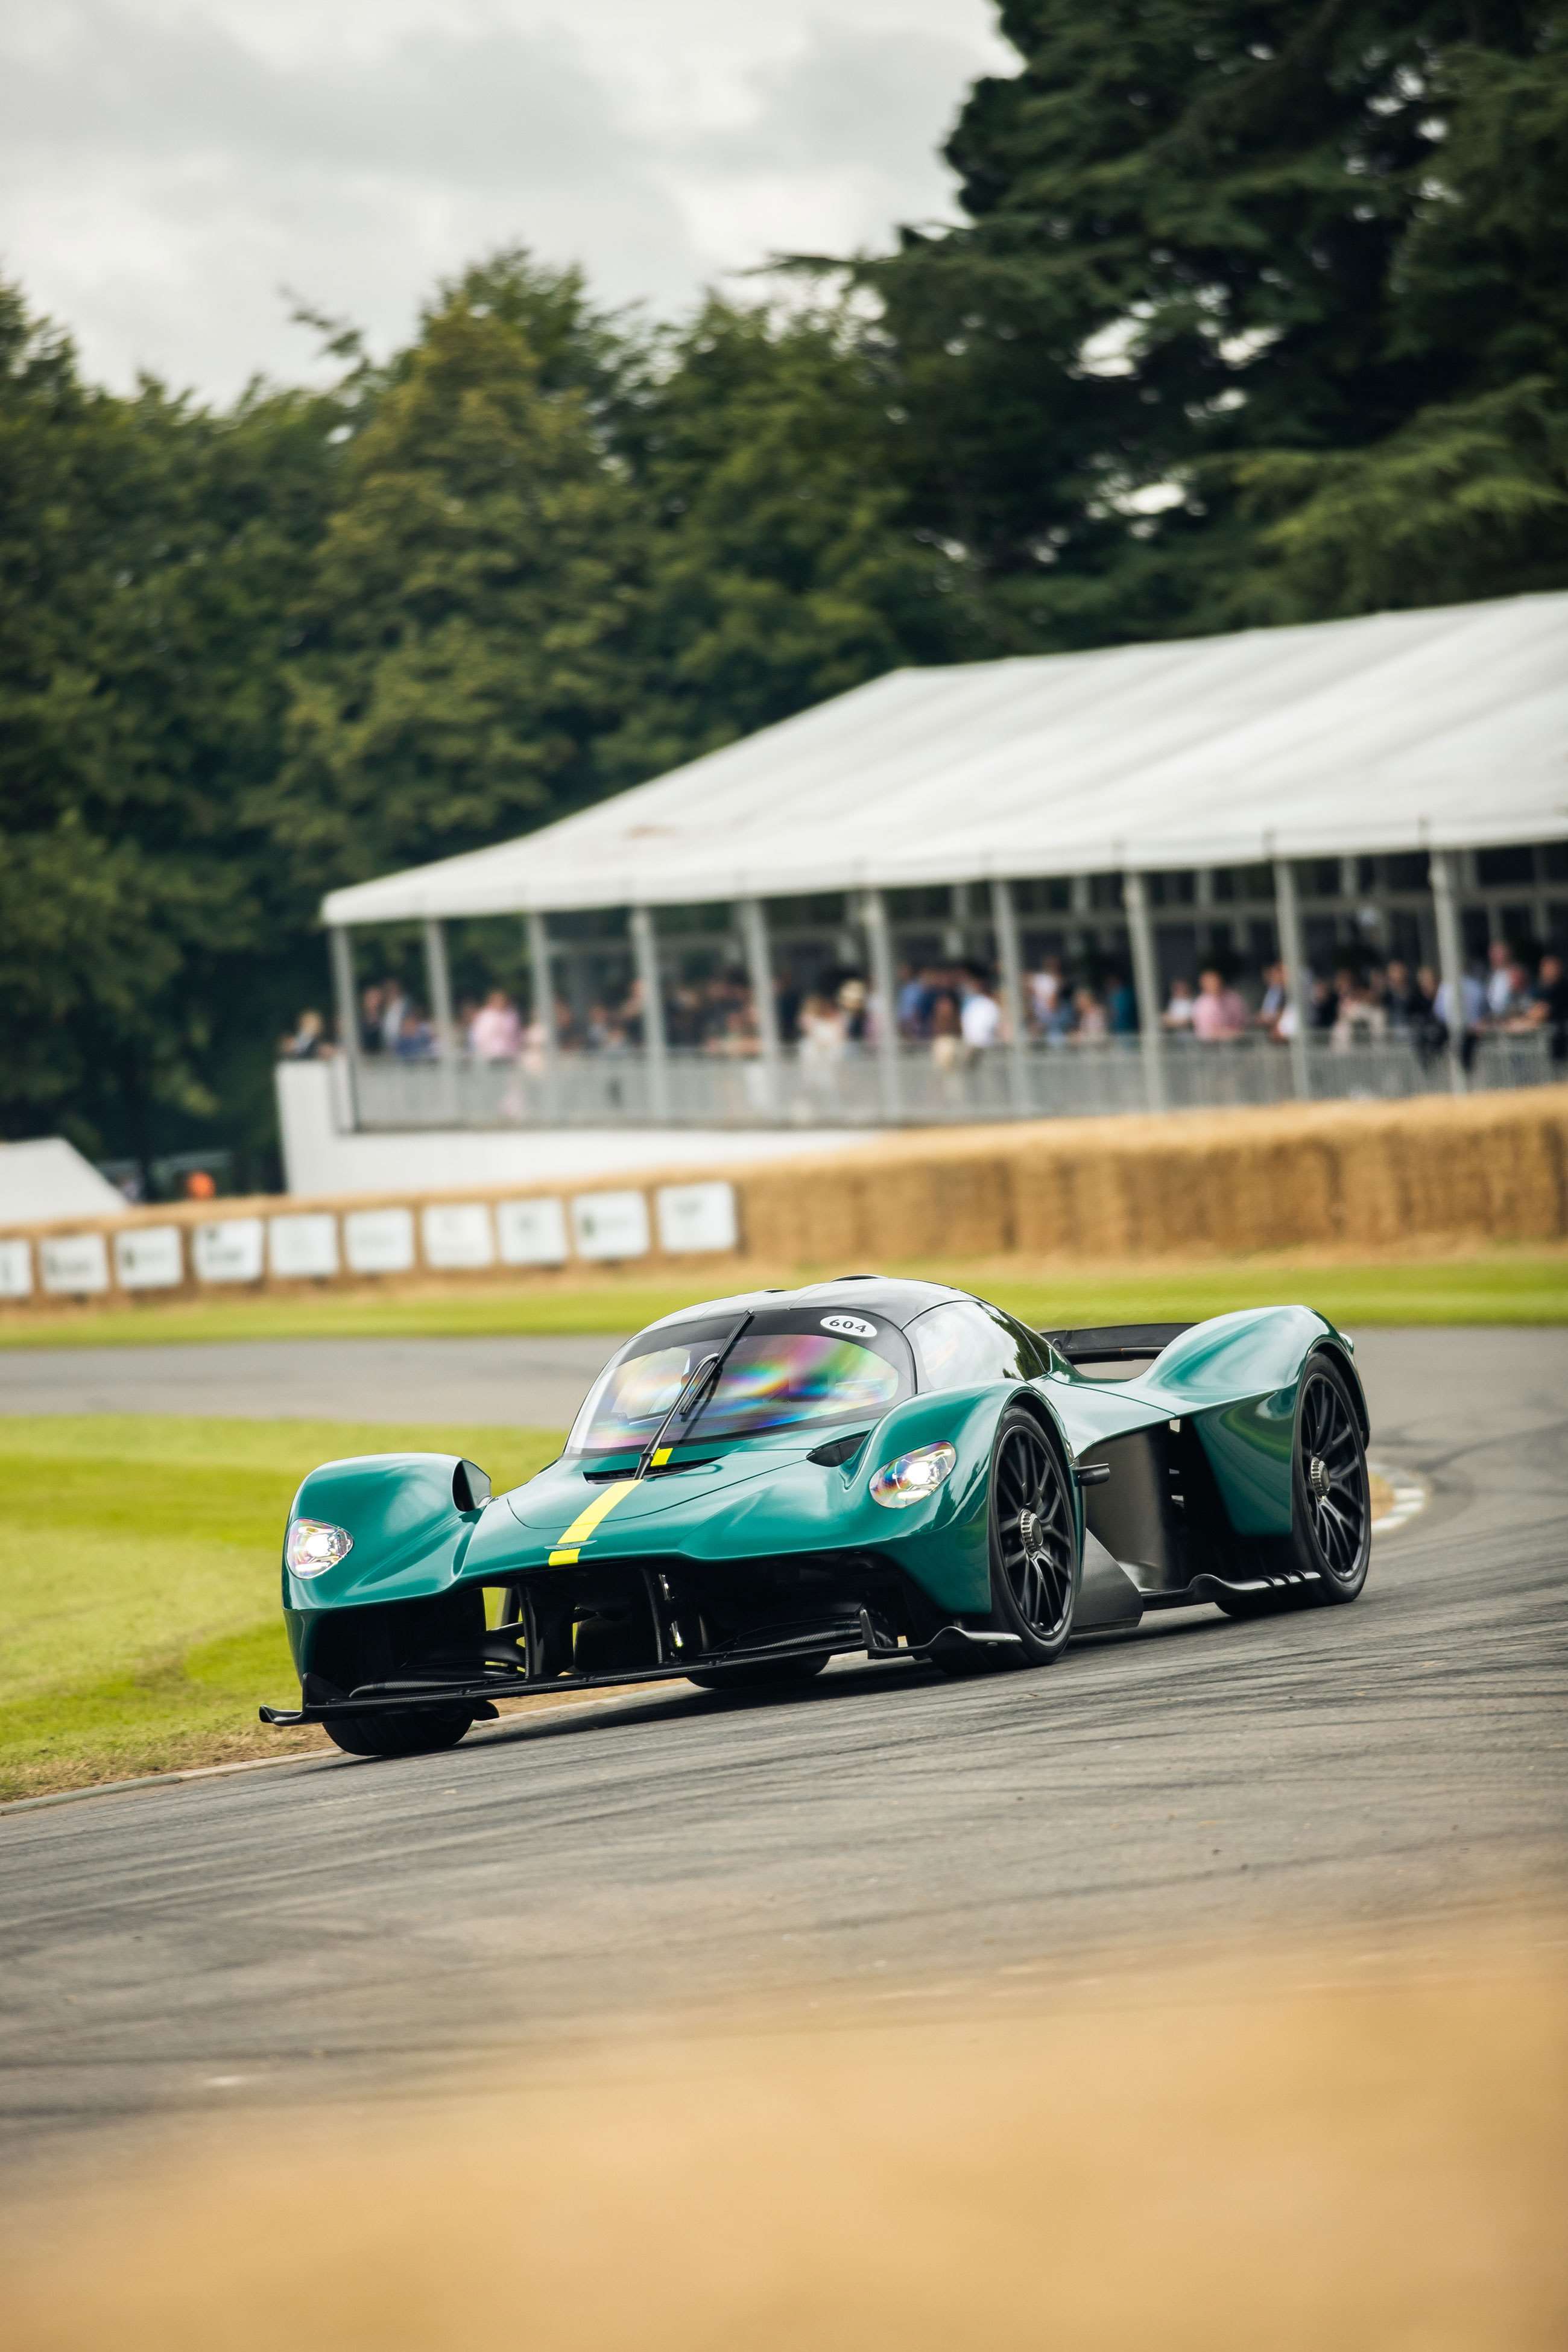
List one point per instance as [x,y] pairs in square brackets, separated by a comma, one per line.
[784,1372]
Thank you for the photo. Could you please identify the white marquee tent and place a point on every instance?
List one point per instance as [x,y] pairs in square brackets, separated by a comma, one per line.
[1443,729]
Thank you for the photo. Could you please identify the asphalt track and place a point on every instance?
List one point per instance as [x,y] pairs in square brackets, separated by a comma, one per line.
[335,1927]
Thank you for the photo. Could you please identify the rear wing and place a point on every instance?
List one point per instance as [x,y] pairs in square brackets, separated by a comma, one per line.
[1115,1343]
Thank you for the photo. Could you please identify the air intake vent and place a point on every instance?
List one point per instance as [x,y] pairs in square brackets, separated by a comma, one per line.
[838,1450]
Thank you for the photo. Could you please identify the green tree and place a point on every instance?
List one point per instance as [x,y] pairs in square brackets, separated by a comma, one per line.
[1210,244]
[149,551]
[784,564]
[1469,496]
[469,630]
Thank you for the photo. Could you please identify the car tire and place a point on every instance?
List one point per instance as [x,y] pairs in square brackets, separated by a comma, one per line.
[1034,1550]
[424,1732]
[1329,1542]
[778,1674]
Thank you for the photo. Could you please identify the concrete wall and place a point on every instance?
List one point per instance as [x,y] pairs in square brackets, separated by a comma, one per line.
[323,1158]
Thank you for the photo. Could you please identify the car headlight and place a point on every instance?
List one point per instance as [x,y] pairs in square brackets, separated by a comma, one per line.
[312,1546]
[911,1477]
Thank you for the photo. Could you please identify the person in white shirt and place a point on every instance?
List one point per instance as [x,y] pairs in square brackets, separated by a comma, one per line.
[980,1018]
[1178,1012]
[1502,990]
[1472,996]
[1045,993]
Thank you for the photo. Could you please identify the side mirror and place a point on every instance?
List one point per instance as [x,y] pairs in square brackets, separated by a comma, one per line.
[470,1486]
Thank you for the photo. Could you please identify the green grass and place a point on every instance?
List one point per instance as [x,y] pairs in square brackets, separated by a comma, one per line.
[139,1621]
[1485,1290]
[1496,1285]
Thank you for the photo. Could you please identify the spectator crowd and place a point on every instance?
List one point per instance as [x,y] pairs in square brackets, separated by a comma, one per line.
[956,1012]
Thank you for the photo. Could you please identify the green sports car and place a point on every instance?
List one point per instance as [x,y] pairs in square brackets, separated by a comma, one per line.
[866,1465]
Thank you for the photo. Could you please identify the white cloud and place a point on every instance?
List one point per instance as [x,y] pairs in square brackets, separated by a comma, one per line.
[166,167]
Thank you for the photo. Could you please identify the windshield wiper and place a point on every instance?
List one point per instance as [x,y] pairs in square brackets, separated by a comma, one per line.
[700,1386]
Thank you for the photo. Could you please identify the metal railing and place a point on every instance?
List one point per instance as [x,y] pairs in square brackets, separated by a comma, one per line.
[694,1090]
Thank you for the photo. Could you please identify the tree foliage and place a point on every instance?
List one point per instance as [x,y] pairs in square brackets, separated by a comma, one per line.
[1235,273]
[468,623]
[148,556]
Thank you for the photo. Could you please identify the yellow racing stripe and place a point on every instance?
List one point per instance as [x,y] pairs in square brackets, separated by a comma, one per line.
[582,1525]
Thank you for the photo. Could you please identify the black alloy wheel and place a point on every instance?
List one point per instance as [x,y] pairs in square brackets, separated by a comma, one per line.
[1034,1540]
[1326,1552]
[1331,1518]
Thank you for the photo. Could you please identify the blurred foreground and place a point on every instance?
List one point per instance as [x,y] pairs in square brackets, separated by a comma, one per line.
[1319,2147]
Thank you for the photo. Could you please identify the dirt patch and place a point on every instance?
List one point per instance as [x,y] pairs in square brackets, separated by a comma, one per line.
[1293,2151]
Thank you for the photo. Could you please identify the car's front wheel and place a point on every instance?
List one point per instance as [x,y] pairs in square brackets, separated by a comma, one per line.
[422,1731]
[1034,1550]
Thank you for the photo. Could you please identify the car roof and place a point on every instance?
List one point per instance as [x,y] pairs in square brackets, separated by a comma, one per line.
[895,1299]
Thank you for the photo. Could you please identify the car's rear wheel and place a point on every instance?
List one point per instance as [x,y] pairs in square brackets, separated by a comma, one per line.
[1034,1550]
[1330,1543]
[422,1731]
[778,1673]
[1332,1517]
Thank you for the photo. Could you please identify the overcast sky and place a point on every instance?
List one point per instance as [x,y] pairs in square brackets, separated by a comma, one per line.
[168,166]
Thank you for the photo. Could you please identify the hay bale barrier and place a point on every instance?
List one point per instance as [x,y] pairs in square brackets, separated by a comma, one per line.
[1448,1171]
[1443,1169]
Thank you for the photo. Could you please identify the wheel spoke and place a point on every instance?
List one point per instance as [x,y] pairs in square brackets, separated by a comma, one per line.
[1336,1527]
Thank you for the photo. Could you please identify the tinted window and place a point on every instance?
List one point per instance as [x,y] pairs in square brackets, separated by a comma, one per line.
[957,1346]
[782,1373]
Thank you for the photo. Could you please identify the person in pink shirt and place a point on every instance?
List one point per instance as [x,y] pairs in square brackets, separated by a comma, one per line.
[1219,1013]
[495,1033]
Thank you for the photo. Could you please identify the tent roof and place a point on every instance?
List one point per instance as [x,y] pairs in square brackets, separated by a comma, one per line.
[1443,728]
[47,1177]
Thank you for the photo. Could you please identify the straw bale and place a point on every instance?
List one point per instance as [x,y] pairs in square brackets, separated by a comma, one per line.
[799,1213]
[946,1206]
[1369,1175]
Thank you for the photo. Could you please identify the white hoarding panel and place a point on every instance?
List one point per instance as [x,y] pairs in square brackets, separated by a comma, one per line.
[74,1264]
[149,1257]
[15,1269]
[694,1217]
[229,1250]
[610,1225]
[304,1247]
[379,1241]
[457,1234]
[532,1233]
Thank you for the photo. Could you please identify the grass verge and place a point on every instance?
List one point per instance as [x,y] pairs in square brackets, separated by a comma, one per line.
[139,1620]
[1496,1285]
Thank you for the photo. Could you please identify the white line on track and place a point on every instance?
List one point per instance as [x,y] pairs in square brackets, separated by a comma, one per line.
[1410,1496]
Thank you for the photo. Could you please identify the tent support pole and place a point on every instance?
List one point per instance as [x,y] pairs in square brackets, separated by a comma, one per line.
[542,978]
[1146,987]
[1450,958]
[1005,923]
[760,969]
[879,939]
[1287,907]
[438,981]
[656,1051]
[341,946]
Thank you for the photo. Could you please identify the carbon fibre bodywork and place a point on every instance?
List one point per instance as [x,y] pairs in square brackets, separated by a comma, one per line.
[772,1544]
